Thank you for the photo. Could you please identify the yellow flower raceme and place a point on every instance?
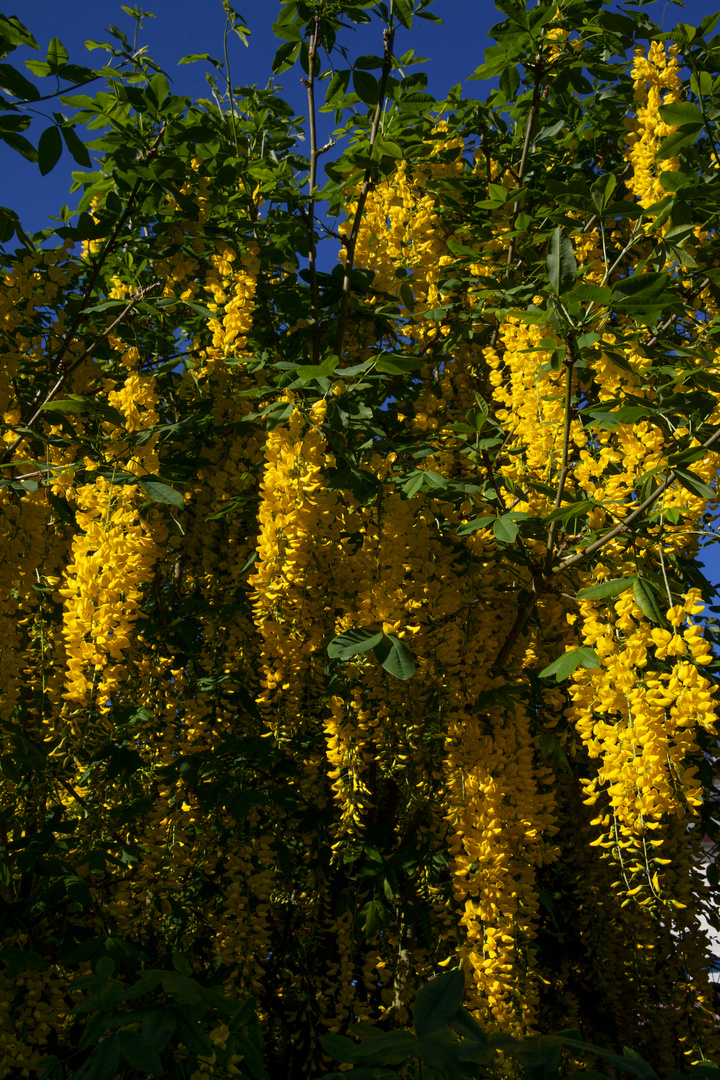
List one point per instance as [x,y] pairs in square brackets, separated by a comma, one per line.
[113,556]
[657,81]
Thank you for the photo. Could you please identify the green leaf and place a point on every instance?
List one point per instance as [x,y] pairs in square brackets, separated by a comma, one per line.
[366,87]
[182,989]
[317,371]
[694,453]
[472,526]
[353,643]
[339,1047]
[466,1025]
[505,529]
[607,589]
[49,149]
[438,1002]
[646,600]
[14,122]
[636,1066]
[21,144]
[596,294]
[286,56]
[190,1034]
[161,493]
[253,1057]
[103,1061]
[694,484]
[637,286]
[337,86]
[182,965]
[139,1054]
[394,656]
[400,365]
[79,405]
[561,262]
[16,84]
[13,31]
[436,315]
[563,667]
[158,88]
[570,510]
[390,1048]
[8,224]
[39,68]
[158,1027]
[432,479]
[510,82]
[288,29]
[602,190]
[477,416]
[678,140]
[57,53]
[413,485]
[681,114]
[386,148]
[75,145]
[403,12]
[194,58]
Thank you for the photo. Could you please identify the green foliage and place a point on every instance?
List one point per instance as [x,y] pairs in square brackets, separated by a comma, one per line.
[135,1020]
[449,1043]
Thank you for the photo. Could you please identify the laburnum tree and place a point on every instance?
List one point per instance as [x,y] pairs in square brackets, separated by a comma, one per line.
[352,628]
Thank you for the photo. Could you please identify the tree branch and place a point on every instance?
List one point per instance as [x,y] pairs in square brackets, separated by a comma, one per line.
[570,360]
[515,630]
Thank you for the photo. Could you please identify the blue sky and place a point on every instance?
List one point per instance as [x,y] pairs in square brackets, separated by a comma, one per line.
[182,27]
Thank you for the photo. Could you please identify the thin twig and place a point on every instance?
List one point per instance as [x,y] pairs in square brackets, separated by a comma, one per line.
[69,336]
[673,317]
[625,524]
[140,295]
[540,579]
[351,241]
[538,73]
[314,291]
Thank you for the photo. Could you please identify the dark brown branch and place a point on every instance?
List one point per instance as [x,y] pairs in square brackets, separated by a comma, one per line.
[515,630]
[570,360]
